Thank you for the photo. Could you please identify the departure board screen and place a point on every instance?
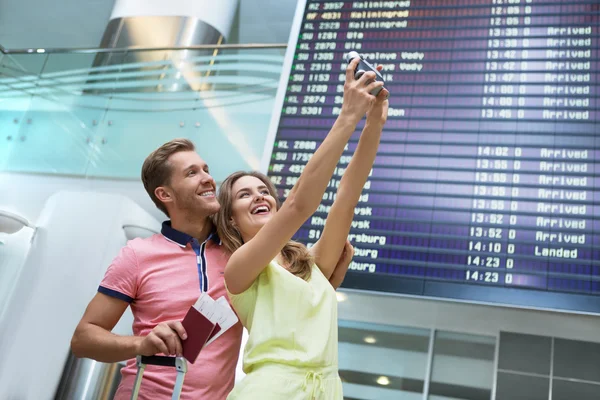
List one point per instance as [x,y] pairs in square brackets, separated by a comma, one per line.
[484,187]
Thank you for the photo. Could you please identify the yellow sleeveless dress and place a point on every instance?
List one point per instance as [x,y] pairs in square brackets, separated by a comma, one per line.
[292,348]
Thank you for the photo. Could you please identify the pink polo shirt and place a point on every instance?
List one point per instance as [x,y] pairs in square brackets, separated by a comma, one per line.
[162,277]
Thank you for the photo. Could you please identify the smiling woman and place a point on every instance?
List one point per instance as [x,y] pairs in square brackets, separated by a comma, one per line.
[252,203]
[251,199]
[280,286]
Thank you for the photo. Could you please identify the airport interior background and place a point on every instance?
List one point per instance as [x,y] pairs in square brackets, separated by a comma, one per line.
[475,273]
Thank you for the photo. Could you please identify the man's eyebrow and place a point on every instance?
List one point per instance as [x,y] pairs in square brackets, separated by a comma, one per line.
[193,166]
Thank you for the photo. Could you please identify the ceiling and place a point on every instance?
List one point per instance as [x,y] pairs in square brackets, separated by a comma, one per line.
[265,21]
[46,24]
[41,24]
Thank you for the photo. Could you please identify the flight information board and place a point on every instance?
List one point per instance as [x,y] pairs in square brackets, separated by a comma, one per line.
[484,187]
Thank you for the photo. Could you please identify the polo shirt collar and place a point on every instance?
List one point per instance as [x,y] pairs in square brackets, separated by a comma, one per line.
[180,238]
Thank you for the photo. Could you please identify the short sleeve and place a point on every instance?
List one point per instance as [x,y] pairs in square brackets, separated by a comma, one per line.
[121,277]
[244,303]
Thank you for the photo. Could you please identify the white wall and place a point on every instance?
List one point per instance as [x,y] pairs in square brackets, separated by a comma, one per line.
[77,234]
[26,194]
[13,251]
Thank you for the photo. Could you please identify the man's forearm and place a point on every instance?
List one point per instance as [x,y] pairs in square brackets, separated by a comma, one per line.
[338,275]
[95,342]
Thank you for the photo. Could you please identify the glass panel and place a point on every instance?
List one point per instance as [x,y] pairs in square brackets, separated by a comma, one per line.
[53,138]
[55,129]
[223,112]
[576,359]
[24,65]
[14,102]
[569,390]
[9,136]
[521,387]
[380,362]
[525,353]
[463,367]
[62,65]
[102,114]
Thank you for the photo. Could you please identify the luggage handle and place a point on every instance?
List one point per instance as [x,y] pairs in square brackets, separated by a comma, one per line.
[179,363]
[158,360]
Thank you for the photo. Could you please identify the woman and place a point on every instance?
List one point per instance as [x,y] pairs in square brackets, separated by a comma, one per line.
[280,290]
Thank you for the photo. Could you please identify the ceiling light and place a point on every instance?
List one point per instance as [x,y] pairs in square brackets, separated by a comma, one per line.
[370,339]
[383,380]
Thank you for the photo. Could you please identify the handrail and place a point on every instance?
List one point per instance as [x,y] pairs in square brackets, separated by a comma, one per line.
[91,50]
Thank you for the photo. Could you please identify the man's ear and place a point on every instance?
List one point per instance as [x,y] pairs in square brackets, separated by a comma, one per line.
[163,194]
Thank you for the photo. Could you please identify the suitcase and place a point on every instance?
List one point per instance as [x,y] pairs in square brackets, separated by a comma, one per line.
[179,363]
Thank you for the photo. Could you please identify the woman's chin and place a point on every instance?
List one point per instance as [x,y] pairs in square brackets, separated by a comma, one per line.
[262,219]
[258,223]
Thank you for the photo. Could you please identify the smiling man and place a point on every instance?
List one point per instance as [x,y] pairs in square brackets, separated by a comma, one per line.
[160,278]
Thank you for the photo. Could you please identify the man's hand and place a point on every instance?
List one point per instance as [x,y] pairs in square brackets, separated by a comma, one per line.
[339,273]
[164,338]
[346,256]
[379,111]
[357,97]
[93,337]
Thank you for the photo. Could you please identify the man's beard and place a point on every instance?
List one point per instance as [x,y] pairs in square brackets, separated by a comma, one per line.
[194,208]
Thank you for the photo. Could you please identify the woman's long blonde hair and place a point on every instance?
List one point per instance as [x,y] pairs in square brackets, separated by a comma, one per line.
[295,254]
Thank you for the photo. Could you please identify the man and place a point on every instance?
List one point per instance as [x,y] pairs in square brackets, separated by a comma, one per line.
[160,278]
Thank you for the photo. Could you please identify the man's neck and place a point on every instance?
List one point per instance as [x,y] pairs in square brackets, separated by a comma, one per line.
[198,228]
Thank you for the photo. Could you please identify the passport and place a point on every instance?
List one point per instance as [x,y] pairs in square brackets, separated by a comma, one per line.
[199,330]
